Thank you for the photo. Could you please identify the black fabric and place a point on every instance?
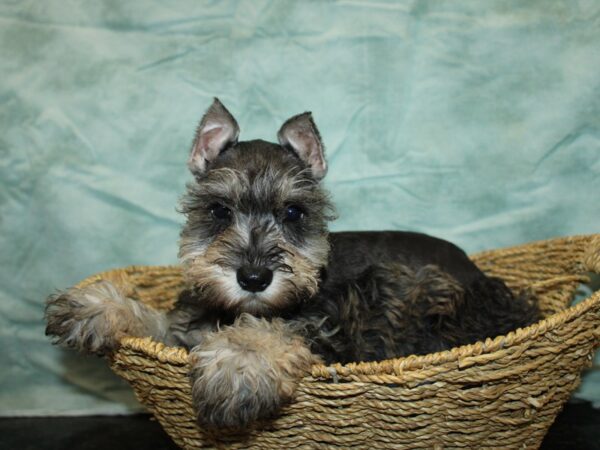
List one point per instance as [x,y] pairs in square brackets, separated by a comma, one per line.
[577,428]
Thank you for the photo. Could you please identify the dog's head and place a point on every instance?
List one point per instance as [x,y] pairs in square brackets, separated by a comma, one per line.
[255,239]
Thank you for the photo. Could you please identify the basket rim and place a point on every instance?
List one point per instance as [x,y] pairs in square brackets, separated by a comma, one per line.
[464,355]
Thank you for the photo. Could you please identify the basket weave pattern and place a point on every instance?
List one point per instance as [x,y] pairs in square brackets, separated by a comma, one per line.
[501,393]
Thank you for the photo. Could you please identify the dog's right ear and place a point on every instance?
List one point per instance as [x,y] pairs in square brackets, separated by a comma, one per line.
[217,131]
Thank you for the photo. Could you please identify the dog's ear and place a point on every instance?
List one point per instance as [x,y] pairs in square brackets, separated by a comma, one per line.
[301,134]
[217,130]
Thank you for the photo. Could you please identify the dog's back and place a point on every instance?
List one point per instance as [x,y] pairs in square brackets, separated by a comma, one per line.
[389,294]
[354,251]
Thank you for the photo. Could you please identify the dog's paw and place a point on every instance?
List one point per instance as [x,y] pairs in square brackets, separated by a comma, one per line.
[246,372]
[233,388]
[90,319]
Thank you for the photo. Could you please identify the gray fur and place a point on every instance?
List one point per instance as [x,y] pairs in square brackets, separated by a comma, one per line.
[247,370]
[94,318]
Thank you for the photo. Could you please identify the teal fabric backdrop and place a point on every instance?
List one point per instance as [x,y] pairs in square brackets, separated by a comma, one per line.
[475,121]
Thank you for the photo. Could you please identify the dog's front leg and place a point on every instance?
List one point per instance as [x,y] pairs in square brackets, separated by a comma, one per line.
[94,318]
[247,371]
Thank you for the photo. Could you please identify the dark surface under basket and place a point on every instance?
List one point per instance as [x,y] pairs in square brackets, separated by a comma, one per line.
[577,427]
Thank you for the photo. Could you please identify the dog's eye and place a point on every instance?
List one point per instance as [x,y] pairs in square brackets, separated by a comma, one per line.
[293,213]
[220,212]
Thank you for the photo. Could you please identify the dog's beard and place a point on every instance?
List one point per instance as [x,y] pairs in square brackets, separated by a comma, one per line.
[219,287]
[295,280]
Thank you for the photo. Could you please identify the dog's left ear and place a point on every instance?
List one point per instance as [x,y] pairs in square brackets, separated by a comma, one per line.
[301,134]
[217,131]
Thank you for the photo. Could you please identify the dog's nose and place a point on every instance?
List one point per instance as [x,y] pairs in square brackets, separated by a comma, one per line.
[254,279]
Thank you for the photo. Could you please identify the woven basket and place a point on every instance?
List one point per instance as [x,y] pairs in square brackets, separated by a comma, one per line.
[501,393]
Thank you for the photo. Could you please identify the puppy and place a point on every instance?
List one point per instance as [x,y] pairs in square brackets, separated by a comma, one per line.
[270,291]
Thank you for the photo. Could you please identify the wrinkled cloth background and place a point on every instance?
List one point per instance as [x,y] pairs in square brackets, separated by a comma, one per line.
[475,121]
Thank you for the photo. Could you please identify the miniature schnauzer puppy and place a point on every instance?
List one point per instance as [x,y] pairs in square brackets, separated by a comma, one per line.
[270,291]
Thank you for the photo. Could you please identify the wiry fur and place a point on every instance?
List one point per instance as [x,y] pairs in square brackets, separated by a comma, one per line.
[247,370]
[93,319]
[255,179]
[342,296]
[393,310]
